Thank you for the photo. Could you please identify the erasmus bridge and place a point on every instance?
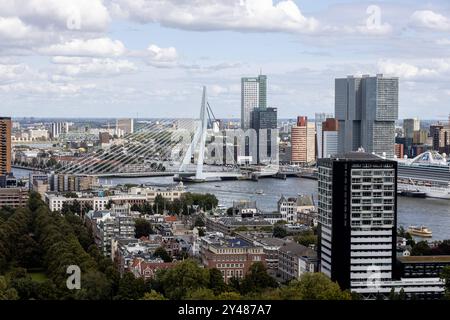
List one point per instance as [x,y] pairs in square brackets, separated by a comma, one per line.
[160,147]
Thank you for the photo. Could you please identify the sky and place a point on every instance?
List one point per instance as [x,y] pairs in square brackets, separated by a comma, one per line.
[150,58]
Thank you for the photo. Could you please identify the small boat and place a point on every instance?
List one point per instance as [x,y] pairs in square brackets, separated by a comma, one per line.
[217,186]
[421,231]
[259,192]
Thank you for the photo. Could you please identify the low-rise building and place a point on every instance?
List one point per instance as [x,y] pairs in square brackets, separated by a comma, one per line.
[109,225]
[295,259]
[232,256]
[421,266]
[151,192]
[13,197]
[229,225]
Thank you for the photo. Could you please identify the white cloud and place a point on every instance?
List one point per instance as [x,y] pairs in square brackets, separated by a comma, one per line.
[99,47]
[13,28]
[161,57]
[376,30]
[239,15]
[430,20]
[97,67]
[82,15]
[44,88]
[409,71]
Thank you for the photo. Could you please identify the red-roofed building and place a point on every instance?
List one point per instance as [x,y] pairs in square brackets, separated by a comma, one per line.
[147,270]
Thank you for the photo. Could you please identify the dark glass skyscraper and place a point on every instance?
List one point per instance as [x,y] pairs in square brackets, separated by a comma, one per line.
[264,118]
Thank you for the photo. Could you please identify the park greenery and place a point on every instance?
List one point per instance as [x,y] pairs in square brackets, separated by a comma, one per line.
[188,204]
[37,246]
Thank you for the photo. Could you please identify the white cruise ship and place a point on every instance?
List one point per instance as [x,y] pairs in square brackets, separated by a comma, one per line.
[429,172]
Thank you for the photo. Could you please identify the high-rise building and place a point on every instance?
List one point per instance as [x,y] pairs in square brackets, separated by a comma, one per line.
[5,145]
[329,137]
[435,130]
[357,218]
[409,126]
[420,136]
[319,118]
[265,118]
[399,150]
[126,125]
[303,142]
[367,108]
[59,128]
[253,95]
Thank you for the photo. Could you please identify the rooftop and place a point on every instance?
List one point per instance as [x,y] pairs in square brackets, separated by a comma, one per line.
[297,250]
[423,259]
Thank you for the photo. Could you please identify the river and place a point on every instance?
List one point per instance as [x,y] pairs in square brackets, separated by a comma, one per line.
[433,213]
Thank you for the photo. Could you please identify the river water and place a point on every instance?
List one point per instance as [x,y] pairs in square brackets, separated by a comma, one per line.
[433,213]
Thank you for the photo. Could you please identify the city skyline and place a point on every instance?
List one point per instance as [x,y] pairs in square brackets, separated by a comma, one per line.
[119,58]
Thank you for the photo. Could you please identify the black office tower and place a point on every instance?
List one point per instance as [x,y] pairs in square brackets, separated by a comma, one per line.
[357,218]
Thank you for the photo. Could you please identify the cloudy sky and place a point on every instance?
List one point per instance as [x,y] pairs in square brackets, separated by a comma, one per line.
[110,58]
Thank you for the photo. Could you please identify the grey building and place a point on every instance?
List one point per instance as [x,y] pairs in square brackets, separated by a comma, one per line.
[367,108]
[264,122]
[253,95]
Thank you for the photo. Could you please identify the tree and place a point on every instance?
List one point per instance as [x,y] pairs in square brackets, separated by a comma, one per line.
[201,294]
[306,238]
[199,222]
[314,286]
[153,295]
[95,287]
[142,228]
[28,252]
[257,279]
[229,296]
[159,204]
[421,249]
[445,275]
[216,283]
[279,231]
[130,288]
[185,277]
[6,292]
[162,253]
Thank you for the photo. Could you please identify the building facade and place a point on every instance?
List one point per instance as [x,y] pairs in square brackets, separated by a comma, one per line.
[303,142]
[232,256]
[329,141]
[409,126]
[264,122]
[5,145]
[319,119]
[357,218]
[253,95]
[367,108]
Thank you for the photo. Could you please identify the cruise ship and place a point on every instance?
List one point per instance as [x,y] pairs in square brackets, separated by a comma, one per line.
[429,173]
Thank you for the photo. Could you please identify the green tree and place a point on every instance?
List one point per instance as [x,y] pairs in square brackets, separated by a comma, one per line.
[130,288]
[201,294]
[216,283]
[257,279]
[185,277]
[199,222]
[95,287]
[162,253]
[6,292]
[306,238]
[314,286]
[142,228]
[421,249]
[279,231]
[153,295]
[159,204]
